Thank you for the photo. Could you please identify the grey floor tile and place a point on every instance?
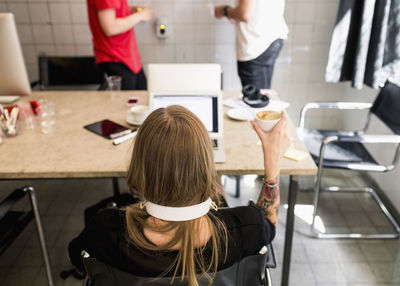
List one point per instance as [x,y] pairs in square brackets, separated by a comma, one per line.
[74,223]
[357,272]
[276,275]
[376,251]
[385,229]
[348,203]
[394,248]
[354,218]
[385,272]
[328,273]
[364,229]
[3,272]
[301,274]
[337,230]
[321,251]
[18,276]
[29,257]
[332,219]
[50,237]
[8,258]
[65,237]
[349,252]
[53,222]
[59,257]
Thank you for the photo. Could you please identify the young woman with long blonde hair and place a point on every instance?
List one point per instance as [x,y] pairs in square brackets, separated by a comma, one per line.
[175,228]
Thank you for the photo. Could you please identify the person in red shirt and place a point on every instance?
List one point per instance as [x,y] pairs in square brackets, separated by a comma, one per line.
[112,25]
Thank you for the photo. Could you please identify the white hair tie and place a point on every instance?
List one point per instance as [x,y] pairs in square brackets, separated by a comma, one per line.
[178,213]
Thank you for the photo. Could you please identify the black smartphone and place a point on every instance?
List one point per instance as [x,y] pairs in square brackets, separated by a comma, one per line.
[108,129]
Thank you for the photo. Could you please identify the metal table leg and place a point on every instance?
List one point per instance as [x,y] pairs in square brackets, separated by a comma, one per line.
[34,204]
[293,187]
[237,191]
[115,186]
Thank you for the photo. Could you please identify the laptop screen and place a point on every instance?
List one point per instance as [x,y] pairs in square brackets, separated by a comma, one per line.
[205,107]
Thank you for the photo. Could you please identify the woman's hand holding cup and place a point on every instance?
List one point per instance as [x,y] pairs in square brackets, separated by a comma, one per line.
[274,144]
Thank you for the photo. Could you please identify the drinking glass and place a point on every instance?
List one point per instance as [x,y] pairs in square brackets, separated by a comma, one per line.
[47,115]
[25,116]
[113,83]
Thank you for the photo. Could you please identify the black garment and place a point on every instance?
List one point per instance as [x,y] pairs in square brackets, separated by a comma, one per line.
[106,238]
[365,43]
[259,71]
[130,80]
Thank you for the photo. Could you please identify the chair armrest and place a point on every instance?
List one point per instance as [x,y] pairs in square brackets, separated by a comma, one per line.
[331,105]
[371,138]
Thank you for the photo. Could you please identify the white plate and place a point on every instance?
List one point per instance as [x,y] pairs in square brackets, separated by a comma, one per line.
[240,114]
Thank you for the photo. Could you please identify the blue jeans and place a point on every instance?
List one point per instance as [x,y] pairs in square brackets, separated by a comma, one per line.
[259,71]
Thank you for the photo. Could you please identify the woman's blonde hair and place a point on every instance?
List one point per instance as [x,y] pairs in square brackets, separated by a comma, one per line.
[173,165]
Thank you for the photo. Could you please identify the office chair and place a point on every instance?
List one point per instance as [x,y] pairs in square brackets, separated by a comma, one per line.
[12,223]
[346,150]
[252,270]
[69,73]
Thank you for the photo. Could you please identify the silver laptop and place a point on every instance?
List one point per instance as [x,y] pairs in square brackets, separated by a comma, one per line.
[202,96]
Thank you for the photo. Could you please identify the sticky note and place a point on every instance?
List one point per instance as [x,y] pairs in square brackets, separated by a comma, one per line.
[139,9]
[294,154]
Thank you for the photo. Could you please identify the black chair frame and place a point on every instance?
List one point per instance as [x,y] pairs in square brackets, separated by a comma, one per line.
[253,269]
[358,138]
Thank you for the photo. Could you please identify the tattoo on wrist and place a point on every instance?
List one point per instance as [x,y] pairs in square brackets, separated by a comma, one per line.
[268,200]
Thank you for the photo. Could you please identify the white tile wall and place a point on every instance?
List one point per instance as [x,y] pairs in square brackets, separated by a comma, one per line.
[42,33]
[79,13]
[184,34]
[20,11]
[60,13]
[3,7]
[184,53]
[63,34]
[82,34]
[203,13]
[39,12]
[183,13]
[25,33]
[65,50]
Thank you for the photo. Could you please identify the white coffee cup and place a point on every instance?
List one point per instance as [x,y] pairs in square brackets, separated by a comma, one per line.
[267,119]
[137,114]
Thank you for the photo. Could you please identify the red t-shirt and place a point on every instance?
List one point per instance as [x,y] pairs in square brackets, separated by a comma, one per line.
[118,48]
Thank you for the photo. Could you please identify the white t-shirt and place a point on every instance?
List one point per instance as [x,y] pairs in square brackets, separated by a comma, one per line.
[266,25]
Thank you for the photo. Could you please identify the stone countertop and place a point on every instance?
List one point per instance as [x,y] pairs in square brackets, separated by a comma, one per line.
[73,152]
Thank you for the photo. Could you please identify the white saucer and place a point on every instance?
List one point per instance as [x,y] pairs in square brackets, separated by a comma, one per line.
[240,114]
[133,122]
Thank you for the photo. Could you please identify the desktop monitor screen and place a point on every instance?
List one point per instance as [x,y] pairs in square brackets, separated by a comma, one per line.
[204,107]
[13,75]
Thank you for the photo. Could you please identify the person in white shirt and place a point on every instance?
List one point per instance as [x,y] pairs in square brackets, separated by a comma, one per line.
[260,32]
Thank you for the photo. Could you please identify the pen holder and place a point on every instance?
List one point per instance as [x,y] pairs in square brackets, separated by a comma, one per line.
[8,120]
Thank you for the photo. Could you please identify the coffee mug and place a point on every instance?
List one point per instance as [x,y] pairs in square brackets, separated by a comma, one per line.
[137,114]
[267,119]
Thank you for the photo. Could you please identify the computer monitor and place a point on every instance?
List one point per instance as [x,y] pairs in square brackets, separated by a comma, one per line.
[13,76]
